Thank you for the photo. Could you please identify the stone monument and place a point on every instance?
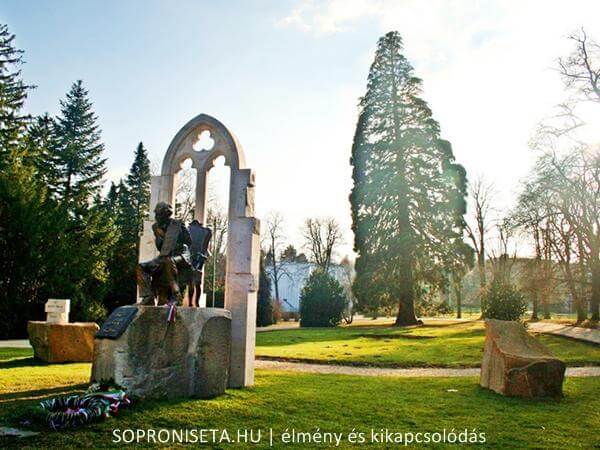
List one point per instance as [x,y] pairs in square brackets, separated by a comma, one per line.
[57,340]
[517,364]
[243,233]
[151,357]
[157,351]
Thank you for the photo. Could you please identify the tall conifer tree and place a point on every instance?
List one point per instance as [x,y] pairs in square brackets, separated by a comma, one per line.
[128,204]
[42,143]
[13,92]
[408,198]
[138,184]
[79,153]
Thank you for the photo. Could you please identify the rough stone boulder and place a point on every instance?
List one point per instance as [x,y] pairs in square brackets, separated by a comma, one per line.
[517,364]
[64,342]
[154,358]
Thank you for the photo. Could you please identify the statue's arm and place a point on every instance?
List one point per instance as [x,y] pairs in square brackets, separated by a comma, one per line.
[158,236]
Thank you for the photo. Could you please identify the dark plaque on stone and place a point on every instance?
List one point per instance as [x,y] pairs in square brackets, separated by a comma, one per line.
[117,322]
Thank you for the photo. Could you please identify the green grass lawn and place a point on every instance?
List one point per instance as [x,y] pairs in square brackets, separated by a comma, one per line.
[333,403]
[437,344]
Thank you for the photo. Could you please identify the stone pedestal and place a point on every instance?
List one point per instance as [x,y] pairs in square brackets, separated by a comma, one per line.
[65,342]
[517,364]
[154,358]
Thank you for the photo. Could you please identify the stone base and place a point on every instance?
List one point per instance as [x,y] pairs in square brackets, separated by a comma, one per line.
[157,359]
[517,364]
[65,342]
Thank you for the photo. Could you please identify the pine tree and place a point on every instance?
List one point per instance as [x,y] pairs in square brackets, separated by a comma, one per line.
[128,204]
[79,153]
[123,258]
[408,198]
[110,202]
[13,92]
[42,143]
[138,185]
[28,228]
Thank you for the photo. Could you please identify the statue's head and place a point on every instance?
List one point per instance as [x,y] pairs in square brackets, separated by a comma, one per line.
[163,212]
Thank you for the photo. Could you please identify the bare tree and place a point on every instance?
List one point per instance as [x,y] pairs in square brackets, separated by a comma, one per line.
[563,239]
[564,193]
[479,224]
[321,237]
[577,183]
[569,187]
[185,194]
[538,278]
[274,242]
[504,255]
[580,70]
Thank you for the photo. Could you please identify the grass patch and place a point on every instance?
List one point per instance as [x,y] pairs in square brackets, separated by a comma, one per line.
[282,400]
[8,354]
[436,344]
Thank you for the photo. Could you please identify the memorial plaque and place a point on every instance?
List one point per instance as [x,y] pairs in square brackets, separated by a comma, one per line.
[52,317]
[117,323]
[57,310]
[59,306]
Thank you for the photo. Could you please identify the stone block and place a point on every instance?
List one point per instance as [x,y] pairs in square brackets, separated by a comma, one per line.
[154,358]
[517,364]
[62,342]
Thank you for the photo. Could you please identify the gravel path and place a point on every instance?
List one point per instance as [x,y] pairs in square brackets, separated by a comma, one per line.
[593,371]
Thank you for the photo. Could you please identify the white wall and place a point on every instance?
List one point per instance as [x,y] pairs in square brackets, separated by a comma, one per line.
[293,278]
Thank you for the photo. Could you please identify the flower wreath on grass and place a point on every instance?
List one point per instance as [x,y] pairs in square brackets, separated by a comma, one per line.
[73,411]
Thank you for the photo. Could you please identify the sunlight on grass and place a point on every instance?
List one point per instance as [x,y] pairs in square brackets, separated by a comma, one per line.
[282,400]
[437,344]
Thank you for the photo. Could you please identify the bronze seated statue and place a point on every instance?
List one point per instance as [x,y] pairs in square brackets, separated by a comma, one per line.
[182,253]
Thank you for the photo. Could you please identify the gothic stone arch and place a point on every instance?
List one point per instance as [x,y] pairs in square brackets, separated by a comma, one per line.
[243,247]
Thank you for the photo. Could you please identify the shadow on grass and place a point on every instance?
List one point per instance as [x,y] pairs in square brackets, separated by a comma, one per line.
[23,362]
[369,362]
[395,336]
[37,393]
[281,338]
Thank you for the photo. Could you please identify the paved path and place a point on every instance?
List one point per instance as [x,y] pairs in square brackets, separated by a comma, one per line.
[593,371]
[579,333]
[279,326]
[15,343]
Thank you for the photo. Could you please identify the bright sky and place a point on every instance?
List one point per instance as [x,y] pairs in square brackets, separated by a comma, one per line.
[285,76]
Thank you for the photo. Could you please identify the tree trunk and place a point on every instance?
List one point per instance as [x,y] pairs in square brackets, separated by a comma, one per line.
[482,283]
[581,313]
[275,269]
[595,298]
[481,265]
[458,296]
[546,308]
[276,281]
[406,307]
[406,313]
[534,312]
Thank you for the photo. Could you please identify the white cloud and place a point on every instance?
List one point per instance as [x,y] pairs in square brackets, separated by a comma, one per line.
[327,17]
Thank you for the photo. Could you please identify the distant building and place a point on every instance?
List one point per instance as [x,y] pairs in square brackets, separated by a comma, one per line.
[293,278]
